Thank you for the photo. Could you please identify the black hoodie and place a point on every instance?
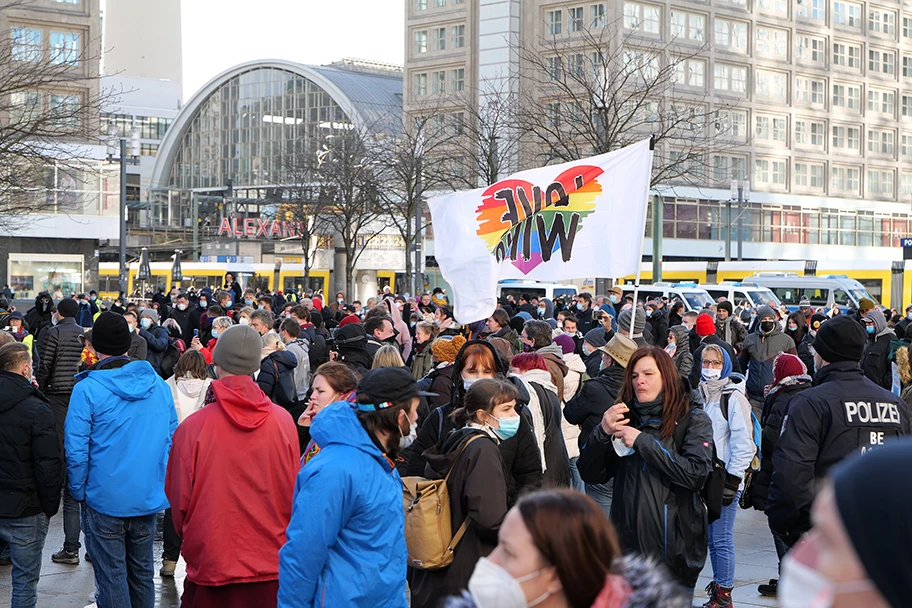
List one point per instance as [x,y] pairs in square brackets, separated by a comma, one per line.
[39,316]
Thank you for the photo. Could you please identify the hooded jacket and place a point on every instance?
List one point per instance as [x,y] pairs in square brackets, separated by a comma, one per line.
[60,352]
[404,337]
[683,359]
[574,378]
[345,544]
[156,338]
[301,351]
[31,470]
[118,434]
[546,425]
[657,509]
[189,394]
[230,483]
[276,377]
[38,317]
[595,397]
[759,351]
[478,491]
[554,357]
[875,362]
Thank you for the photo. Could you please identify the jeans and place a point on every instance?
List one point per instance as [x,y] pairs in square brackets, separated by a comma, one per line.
[576,482]
[601,493]
[25,538]
[722,545]
[171,548]
[122,558]
[71,515]
[781,547]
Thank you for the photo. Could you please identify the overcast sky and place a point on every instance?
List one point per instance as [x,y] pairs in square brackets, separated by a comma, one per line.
[218,34]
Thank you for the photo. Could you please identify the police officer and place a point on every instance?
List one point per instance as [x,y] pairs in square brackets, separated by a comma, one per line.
[842,414]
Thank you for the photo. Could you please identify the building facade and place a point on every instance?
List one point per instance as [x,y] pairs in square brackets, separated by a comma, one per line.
[814,98]
[76,198]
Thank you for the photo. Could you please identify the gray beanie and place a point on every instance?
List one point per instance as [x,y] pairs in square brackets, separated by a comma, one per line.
[237,350]
[151,313]
[638,325]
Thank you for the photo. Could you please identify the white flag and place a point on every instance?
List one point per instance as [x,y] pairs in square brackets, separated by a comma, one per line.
[577,219]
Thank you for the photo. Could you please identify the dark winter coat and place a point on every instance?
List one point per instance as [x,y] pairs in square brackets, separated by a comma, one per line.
[441,385]
[509,334]
[656,508]
[593,362]
[39,316]
[759,352]
[557,473]
[658,326]
[697,369]
[775,408]
[276,378]
[357,360]
[803,348]
[156,338]
[737,332]
[593,400]
[188,320]
[31,467]
[139,350]
[844,413]
[875,363]
[421,359]
[478,491]
[60,352]
[84,315]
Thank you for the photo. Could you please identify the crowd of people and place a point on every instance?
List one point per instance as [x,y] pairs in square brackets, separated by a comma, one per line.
[588,452]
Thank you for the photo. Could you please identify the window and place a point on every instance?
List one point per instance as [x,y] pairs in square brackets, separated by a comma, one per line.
[883,102]
[553,22]
[905,183]
[575,19]
[907,66]
[811,48]
[25,106]
[421,41]
[554,68]
[907,105]
[687,26]
[643,18]
[646,65]
[420,85]
[881,141]
[774,6]
[65,111]
[881,61]
[882,21]
[815,9]
[457,123]
[440,38]
[847,96]
[26,44]
[438,80]
[64,48]
[847,14]
[845,179]
[770,128]
[729,167]
[846,138]
[439,3]
[732,123]
[801,132]
[809,175]
[848,55]
[810,90]
[576,65]
[772,42]
[818,134]
[552,115]
[880,181]
[730,78]
[907,27]
[769,172]
[690,72]
[771,84]
[731,34]
[420,5]
[457,79]
[148,149]
[906,145]
[597,15]
[457,36]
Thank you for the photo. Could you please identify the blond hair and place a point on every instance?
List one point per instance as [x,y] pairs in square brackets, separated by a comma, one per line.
[272,341]
[387,356]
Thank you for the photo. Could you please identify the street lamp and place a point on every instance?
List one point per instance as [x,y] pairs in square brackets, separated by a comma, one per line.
[111,140]
[740,193]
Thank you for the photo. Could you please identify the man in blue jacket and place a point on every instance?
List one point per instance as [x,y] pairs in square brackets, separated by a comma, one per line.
[117,438]
[346,542]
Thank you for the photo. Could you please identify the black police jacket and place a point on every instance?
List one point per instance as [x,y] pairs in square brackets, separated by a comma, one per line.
[844,413]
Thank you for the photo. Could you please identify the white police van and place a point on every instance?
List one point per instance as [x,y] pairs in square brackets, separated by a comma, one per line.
[739,293]
[694,297]
[824,291]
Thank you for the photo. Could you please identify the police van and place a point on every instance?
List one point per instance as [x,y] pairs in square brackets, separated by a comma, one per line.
[535,289]
[824,291]
[694,297]
[739,293]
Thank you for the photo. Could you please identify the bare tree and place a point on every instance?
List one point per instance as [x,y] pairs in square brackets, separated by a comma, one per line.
[49,104]
[604,88]
[304,205]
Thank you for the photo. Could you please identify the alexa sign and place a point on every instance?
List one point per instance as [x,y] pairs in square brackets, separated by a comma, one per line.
[257,228]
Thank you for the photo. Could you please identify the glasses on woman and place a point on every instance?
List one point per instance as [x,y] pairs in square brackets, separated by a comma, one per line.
[710,364]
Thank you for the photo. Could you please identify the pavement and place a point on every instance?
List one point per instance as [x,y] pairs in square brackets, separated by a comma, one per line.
[63,586]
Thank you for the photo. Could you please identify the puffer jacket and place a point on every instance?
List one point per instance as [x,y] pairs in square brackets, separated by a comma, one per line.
[595,397]
[478,492]
[733,431]
[345,545]
[276,378]
[759,352]
[31,469]
[60,356]
[657,509]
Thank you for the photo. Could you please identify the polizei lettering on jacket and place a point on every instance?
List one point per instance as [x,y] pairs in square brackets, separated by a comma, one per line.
[863,412]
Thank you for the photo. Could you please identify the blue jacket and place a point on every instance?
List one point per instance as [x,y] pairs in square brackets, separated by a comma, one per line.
[85,316]
[346,539]
[117,437]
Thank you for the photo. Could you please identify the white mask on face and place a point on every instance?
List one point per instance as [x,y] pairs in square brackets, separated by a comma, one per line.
[711,374]
[243,321]
[803,587]
[493,587]
[407,440]
[182,307]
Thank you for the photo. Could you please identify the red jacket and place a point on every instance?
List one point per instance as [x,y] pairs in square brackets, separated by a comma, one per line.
[207,350]
[230,482]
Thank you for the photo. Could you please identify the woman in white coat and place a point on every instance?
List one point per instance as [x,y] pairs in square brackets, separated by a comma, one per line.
[189,383]
[723,398]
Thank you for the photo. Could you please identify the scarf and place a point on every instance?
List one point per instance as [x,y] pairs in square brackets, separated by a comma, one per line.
[543,378]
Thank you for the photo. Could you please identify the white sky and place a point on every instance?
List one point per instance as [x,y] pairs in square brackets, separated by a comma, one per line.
[218,34]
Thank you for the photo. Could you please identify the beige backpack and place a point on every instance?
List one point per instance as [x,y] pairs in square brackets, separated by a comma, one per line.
[428,528]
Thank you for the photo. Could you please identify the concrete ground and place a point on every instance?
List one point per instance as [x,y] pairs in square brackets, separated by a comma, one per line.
[71,586]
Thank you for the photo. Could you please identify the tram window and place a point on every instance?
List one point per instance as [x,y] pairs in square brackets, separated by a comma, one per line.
[258,283]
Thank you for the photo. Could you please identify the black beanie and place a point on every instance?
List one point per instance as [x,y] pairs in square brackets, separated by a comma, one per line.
[878,523]
[726,305]
[111,334]
[840,339]
[67,307]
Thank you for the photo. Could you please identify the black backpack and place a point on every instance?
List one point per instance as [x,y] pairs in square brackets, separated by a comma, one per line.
[284,393]
[715,484]
[176,347]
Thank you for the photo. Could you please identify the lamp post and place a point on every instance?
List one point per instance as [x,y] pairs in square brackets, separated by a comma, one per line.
[740,193]
[112,140]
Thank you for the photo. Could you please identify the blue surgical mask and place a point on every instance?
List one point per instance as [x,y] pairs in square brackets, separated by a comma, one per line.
[214,333]
[261,307]
[146,322]
[203,303]
[248,302]
[613,299]
[870,329]
[508,427]
[648,312]
[468,382]
[579,306]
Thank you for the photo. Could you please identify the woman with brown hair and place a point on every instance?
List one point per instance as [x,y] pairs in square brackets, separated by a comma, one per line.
[577,564]
[659,451]
[332,382]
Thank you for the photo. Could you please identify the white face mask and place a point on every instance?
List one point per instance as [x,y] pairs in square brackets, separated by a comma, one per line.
[182,307]
[407,440]
[493,587]
[803,587]
[468,382]
[243,321]
[711,374]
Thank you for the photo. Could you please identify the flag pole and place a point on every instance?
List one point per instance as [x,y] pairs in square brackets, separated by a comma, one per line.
[636,284]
